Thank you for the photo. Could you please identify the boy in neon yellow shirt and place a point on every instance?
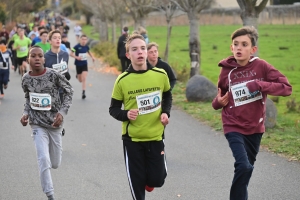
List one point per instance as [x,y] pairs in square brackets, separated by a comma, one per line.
[21,45]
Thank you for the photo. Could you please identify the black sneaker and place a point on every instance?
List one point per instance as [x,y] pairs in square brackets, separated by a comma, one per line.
[83,96]
[51,197]
[63,132]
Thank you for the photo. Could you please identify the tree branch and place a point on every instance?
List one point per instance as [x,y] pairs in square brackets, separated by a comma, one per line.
[261,6]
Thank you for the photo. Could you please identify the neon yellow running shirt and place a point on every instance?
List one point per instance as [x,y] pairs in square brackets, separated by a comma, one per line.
[142,91]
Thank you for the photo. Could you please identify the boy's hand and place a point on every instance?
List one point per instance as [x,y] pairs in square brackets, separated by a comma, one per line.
[93,59]
[78,58]
[24,120]
[164,119]
[132,114]
[253,86]
[58,119]
[223,100]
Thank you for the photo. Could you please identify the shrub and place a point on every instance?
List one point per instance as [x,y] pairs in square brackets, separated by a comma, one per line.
[108,52]
[292,105]
[182,73]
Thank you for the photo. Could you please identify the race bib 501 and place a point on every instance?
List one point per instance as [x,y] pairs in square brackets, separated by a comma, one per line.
[148,103]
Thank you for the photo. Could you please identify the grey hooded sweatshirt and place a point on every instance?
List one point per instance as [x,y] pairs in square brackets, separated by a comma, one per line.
[55,58]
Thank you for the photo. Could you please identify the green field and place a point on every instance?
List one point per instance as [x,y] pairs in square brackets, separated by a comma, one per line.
[215,41]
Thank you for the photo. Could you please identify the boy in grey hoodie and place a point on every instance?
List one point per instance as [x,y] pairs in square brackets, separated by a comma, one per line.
[45,113]
[56,58]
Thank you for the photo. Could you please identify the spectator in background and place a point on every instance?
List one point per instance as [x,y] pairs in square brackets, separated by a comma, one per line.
[143,32]
[121,51]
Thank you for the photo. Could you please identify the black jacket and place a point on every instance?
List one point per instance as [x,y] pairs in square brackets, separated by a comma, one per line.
[121,51]
[165,66]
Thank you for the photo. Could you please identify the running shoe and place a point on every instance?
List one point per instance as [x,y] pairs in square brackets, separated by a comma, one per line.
[51,197]
[149,189]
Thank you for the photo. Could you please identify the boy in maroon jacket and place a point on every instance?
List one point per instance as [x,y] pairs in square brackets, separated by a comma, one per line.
[243,86]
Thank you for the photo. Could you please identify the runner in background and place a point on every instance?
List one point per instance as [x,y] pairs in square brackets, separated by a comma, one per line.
[44,44]
[66,42]
[77,31]
[155,61]
[4,35]
[21,45]
[55,57]
[5,54]
[80,54]
[38,39]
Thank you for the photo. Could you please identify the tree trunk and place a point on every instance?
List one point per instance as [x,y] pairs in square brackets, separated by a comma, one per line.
[113,32]
[140,21]
[194,44]
[122,23]
[166,56]
[103,30]
[252,21]
[88,19]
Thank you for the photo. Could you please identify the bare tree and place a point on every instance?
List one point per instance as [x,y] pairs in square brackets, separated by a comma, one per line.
[192,9]
[14,7]
[96,7]
[139,10]
[170,10]
[250,10]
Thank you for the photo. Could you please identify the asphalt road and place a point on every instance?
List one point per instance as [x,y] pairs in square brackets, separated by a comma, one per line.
[200,164]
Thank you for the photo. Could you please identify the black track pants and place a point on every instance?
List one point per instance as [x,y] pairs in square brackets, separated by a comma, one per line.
[145,165]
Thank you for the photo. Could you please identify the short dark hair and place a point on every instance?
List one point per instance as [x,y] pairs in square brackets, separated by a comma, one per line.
[83,35]
[250,31]
[3,42]
[33,47]
[43,32]
[41,27]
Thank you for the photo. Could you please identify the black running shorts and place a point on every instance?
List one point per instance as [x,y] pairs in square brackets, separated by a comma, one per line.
[80,69]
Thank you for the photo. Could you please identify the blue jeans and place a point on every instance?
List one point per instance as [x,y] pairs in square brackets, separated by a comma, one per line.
[244,150]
